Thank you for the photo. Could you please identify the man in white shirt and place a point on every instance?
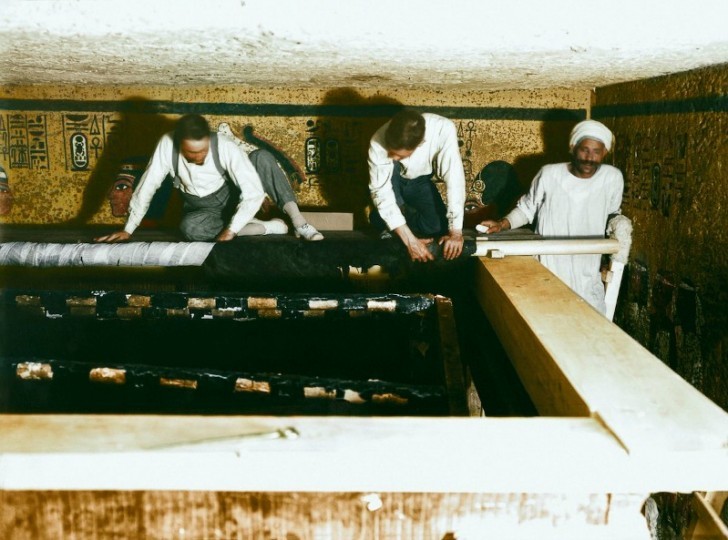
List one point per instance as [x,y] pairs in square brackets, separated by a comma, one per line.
[404,156]
[214,208]
[573,199]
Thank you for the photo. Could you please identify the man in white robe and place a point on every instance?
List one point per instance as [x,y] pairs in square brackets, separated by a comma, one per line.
[571,200]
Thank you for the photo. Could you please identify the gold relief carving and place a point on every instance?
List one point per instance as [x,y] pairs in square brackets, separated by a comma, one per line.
[107,375]
[248,385]
[190,384]
[262,303]
[34,371]
[137,300]
[201,303]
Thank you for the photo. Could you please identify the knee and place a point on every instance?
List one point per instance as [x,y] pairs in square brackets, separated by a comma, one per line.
[197,228]
[262,158]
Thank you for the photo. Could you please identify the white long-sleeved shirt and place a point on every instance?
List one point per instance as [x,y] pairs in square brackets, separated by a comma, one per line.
[199,180]
[567,206]
[438,152]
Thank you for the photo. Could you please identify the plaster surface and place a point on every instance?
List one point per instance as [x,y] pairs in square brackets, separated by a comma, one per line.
[464,43]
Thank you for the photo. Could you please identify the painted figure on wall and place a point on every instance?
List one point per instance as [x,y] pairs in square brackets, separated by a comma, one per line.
[6,196]
[130,171]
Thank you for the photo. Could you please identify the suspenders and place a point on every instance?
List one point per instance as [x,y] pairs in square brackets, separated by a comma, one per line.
[215,158]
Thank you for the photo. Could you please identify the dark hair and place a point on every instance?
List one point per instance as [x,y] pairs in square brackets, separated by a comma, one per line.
[191,127]
[406,131]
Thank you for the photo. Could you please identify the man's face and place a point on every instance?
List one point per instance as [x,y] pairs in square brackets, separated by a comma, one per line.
[195,151]
[587,156]
[399,154]
[120,195]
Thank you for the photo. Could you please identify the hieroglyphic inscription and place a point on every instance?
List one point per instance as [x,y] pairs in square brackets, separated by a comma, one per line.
[4,139]
[111,127]
[323,152]
[654,166]
[24,141]
[473,183]
[18,141]
[38,142]
[85,139]
[312,151]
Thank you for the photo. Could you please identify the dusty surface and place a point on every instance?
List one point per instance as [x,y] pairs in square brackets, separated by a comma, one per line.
[474,45]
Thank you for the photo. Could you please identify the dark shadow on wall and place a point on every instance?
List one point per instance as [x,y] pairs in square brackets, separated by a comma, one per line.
[555,131]
[135,135]
[336,148]
[501,190]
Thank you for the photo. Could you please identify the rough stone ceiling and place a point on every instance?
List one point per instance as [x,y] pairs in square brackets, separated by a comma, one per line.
[472,44]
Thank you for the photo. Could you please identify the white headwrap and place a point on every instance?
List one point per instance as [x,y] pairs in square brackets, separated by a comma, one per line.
[591,129]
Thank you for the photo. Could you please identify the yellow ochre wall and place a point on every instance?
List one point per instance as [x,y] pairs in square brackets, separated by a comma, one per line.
[672,145]
[524,128]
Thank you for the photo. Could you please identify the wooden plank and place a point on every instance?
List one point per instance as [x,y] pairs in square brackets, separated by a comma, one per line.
[323,454]
[708,525]
[330,221]
[549,389]
[611,289]
[453,372]
[318,516]
[573,361]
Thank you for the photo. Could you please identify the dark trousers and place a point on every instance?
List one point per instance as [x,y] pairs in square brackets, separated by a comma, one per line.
[420,202]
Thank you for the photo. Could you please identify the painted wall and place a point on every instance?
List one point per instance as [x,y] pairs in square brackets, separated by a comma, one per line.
[62,145]
[672,144]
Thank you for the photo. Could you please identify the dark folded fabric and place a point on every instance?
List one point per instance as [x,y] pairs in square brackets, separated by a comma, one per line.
[284,259]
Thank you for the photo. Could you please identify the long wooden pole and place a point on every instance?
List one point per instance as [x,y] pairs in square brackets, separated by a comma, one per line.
[562,246]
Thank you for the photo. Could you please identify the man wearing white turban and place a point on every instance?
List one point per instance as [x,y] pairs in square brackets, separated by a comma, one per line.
[570,200]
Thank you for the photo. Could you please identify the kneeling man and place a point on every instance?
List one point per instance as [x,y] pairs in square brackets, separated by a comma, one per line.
[405,154]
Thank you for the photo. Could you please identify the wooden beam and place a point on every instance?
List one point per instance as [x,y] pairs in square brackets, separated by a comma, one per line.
[312,516]
[323,454]
[453,372]
[574,362]
[708,525]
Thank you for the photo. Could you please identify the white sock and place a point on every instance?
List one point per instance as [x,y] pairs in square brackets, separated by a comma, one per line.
[291,208]
[257,227]
[253,228]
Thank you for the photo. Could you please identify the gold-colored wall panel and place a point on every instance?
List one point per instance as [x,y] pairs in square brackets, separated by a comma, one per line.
[672,145]
[38,125]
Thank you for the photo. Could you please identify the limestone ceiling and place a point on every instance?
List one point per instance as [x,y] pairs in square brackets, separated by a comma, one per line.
[472,44]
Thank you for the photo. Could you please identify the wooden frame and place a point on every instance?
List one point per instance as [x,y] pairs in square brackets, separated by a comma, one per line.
[616,420]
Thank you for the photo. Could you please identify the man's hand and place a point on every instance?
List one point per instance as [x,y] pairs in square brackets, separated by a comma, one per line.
[225,236]
[113,238]
[496,226]
[418,250]
[417,247]
[452,245]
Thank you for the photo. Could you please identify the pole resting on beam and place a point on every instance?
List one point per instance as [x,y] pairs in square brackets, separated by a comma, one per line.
[498,249]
